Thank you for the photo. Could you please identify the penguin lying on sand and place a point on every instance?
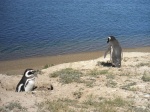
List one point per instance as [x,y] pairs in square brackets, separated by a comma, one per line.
[115,51]
[27,82]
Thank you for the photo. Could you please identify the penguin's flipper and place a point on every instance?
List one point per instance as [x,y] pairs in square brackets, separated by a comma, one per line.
[109,48]
[20,88]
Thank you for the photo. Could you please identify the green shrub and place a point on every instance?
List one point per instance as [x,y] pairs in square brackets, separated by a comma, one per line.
[111,83]
[96,72]
[77,94]
[105,105]
[143,64]
[11,106]
[110,76]
[67,75]
[60,105]
[47,66]
[129,86]
[146,77]
[89,83]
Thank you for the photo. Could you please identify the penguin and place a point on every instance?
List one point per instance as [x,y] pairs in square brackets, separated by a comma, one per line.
[115,51]
[27,81]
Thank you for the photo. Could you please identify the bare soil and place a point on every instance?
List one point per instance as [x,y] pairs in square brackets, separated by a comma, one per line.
[125,82]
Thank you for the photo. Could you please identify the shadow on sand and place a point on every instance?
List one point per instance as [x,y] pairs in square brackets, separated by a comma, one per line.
[105,64]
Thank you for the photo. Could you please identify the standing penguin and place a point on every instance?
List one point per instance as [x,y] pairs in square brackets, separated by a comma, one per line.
[115,51]
[27,82]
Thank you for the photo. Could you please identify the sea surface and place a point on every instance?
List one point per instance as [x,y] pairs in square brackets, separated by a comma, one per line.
[31,28]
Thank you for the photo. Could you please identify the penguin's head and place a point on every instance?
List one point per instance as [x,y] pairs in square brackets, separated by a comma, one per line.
[111,38]
[30,73]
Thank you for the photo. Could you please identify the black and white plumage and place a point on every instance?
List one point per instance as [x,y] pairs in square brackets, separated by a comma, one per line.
[27,82]
[115,51]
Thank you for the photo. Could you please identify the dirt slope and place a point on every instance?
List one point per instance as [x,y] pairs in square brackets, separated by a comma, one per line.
[130,83]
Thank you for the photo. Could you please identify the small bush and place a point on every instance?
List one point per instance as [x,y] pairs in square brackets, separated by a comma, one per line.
[146,77]
[110,76]
[143,64]
[89,83]
[125,74]
[40,72]
[129,86]
[11,106]
[68,75]
[105,105]
[60,105]
[47,66]
[111,83]
[91,104]
[90,101]
[140,109]
[118,102]
[77,94]
[53,106]
[103,72]
[96,72]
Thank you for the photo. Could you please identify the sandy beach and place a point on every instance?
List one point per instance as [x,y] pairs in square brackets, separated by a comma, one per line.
[81,86]
[18,66]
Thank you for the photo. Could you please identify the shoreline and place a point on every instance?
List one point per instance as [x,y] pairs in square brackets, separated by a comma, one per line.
[18,66]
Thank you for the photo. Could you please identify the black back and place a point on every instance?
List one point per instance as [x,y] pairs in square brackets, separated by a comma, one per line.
[22,81]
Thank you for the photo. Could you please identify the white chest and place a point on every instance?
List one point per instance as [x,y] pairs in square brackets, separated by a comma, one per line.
[29,85]
[111,52]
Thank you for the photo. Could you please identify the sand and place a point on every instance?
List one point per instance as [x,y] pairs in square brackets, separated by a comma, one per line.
[18,66]
[125,82]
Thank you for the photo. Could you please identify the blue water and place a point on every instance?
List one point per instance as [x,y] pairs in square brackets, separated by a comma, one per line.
[31,28]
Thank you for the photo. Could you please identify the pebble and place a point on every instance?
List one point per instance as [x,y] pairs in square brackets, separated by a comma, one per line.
[147,96]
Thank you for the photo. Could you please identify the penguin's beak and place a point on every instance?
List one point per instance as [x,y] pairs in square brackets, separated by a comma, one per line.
[35,73]
[108,40]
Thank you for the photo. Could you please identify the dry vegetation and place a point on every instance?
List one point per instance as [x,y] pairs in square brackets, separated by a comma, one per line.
[87,86]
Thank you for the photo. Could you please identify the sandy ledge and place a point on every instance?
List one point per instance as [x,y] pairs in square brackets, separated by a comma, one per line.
[18,66]
[125,83]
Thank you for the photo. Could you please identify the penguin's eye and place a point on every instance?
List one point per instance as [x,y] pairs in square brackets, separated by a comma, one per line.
[30,73]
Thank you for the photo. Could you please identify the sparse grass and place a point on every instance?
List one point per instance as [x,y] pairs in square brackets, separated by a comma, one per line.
[96,72]
[143,64]
[39,72]
[110,76]
[106,105]
[146,77]
[111,83]
[140,109]
[118,102]
[90,100]
[60,105]
[53,106]
[89,83]
[103,72]
[13,106]
[91,104]
[125,74]
[129,87]
[10,74]
[68,75]
[47,66]
[77,94]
